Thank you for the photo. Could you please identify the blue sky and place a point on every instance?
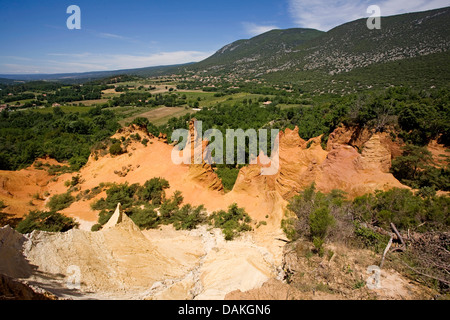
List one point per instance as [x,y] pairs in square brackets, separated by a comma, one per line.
[140,33]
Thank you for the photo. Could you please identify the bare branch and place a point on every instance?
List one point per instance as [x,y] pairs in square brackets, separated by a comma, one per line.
[386,251]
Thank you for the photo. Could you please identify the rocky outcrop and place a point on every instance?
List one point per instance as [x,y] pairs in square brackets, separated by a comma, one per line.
[199,171]
[13,289]
[12,262]
[301,163]
[352,136]
[120,219]
[342,167]
[375,156]
[204,175]
[359,137]
[343,170]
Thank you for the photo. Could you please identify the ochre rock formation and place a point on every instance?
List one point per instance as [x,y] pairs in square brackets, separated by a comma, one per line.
[301,163]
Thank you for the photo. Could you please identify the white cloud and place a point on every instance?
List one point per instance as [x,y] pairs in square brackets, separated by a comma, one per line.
[125,61]
[325,15]
[110,36]
[86,62]
[13,68]
[253,29]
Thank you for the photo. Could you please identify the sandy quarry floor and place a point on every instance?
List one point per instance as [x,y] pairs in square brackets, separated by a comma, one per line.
[124,263]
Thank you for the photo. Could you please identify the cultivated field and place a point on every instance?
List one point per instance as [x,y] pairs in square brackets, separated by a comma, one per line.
[160,116]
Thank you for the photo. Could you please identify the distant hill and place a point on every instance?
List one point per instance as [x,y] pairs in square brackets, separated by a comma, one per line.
[259,53]
[410,49]
[7,81]
[344,53]
[88,76]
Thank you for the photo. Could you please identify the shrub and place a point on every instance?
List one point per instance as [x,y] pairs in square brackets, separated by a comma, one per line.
[318,244]
[370,238]
[153,190]
[118,193]
[287,225]
[130,195]
[399,206]
[60,202]
[75,180]
[232,222]
[141,122]
[261,223]
[99,204]
[57,169]
[123,194]
[413,169]
[116,149]
[104,216]
[37,196]
[93,193]
[96,227]
[9,219]
[145,218]
[46,221]
[320,221]
[136,137]
[316,211]
[188,217]
[169,207]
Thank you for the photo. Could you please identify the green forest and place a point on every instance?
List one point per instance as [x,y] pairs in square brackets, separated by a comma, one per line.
[414,117]
[27,135]
[40,93]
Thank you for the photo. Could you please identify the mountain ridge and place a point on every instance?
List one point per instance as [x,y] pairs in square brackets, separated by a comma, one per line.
[301,54]
[348,46]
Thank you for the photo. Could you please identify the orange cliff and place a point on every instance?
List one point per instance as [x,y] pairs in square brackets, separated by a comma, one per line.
[263,197]
[342,167]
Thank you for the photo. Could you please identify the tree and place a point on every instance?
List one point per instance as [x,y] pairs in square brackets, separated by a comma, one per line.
[60,201]
[408,167]
[320,221]
[116,149]
[46,221]
[141,122]
[232,222]
[153,190]
[58,111]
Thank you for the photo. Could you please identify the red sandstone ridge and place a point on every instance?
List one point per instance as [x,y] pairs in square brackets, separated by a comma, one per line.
[345,169]
[24,190]
[342,167]
[357,137]
[264,197]
[201,173]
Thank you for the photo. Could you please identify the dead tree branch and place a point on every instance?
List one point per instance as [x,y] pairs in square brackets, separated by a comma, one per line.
[426,275]
[394,228]
[386,251]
